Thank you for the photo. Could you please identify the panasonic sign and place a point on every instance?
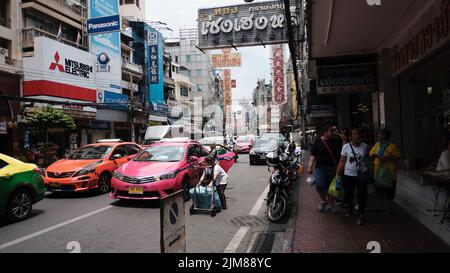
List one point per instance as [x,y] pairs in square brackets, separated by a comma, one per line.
[103,24]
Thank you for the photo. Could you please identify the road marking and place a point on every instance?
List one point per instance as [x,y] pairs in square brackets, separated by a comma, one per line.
[236,241]
[259,202]
[240,234]
[41,232]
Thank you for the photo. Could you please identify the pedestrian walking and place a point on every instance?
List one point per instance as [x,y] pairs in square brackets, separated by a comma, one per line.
[353,160]
[385,155]
[323,161]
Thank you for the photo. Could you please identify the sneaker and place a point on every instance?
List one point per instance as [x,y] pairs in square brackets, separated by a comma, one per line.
[361,220]
[322,205]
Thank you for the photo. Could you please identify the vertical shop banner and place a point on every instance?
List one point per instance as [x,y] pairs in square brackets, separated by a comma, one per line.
[156,71]
[106,48]
[227,96]
[279,75]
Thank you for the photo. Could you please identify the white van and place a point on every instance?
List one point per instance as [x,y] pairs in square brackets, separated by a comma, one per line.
[157,133]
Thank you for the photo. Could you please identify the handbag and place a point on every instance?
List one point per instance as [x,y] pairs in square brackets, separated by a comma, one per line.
[362,176]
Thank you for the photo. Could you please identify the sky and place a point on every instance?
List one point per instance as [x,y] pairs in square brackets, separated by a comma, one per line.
[183,14]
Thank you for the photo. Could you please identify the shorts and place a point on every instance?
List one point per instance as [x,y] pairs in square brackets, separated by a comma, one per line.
[324,176]
[387,193]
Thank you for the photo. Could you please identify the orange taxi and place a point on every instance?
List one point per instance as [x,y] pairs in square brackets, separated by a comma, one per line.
[89,167]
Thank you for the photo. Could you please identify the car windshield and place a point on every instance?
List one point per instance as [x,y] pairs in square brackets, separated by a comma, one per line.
[242,140]
[91,152]
[162,154]
[266,144]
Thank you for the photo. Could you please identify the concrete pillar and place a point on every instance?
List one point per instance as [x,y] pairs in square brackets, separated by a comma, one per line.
[390,100]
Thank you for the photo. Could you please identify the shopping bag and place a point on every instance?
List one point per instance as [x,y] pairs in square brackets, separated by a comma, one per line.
[335,189]
[383,178]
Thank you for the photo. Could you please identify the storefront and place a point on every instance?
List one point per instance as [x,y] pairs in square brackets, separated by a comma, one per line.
[351,82]
[9,133]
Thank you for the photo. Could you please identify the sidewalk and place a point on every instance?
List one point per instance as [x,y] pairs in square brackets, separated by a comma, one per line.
[325,232]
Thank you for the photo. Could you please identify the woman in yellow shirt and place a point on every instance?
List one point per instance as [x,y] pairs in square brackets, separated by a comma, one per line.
[385,154]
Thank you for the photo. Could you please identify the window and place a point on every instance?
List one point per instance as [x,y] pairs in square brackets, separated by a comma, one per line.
[129,1]
[119,150]
[199,72]
[176,59]
[188,58]
[132,149]
[184,91]
[199,87]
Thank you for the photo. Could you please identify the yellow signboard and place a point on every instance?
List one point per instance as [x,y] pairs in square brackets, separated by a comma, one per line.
[226,60]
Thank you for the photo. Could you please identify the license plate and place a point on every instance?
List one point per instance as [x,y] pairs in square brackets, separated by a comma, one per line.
[136,190]
[262,156]
[55,185]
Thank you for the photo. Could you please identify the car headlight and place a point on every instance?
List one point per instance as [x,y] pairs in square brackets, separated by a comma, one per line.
[171,175]
[84,172]
[252,152]
[117,175]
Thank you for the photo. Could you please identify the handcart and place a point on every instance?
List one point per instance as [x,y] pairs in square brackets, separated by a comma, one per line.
[205,199]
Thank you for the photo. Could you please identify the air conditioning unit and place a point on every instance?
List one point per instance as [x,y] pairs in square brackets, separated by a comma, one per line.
[3,55]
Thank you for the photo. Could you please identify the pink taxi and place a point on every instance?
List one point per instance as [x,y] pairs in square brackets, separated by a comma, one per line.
[163,168]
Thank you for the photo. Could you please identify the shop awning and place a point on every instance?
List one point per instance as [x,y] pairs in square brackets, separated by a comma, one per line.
[354,27]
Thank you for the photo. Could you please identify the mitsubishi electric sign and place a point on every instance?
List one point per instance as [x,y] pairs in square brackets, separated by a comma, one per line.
[70,66]
[103,24]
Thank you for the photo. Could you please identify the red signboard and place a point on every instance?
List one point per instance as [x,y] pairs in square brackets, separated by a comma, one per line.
[227,86]
[279,84]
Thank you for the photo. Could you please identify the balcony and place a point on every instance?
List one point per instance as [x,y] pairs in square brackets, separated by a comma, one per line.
[130,86]
[28,35]
[132,68]
[66,7]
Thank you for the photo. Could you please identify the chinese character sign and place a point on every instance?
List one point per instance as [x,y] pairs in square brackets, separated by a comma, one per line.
[227,86]
[279,81]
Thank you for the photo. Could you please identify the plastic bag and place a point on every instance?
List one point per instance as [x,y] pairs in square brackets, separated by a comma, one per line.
[383,178]
[335,188]
[203,195]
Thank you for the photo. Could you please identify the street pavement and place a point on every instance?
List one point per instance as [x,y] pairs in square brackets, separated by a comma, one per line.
[318,232]
[100,224]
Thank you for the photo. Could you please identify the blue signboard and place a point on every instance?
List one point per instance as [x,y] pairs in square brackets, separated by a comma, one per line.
[106,46]
[116,100]
[103,24]
[155,70]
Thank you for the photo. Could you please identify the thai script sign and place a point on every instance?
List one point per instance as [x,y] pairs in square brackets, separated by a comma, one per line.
[425,40]
[246,25]
[349,78]
[226,60]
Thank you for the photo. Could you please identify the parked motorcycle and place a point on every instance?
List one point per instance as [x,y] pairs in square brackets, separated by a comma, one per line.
[280,184]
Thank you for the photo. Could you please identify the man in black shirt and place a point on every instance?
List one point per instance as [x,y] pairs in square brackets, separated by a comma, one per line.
[325,154]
